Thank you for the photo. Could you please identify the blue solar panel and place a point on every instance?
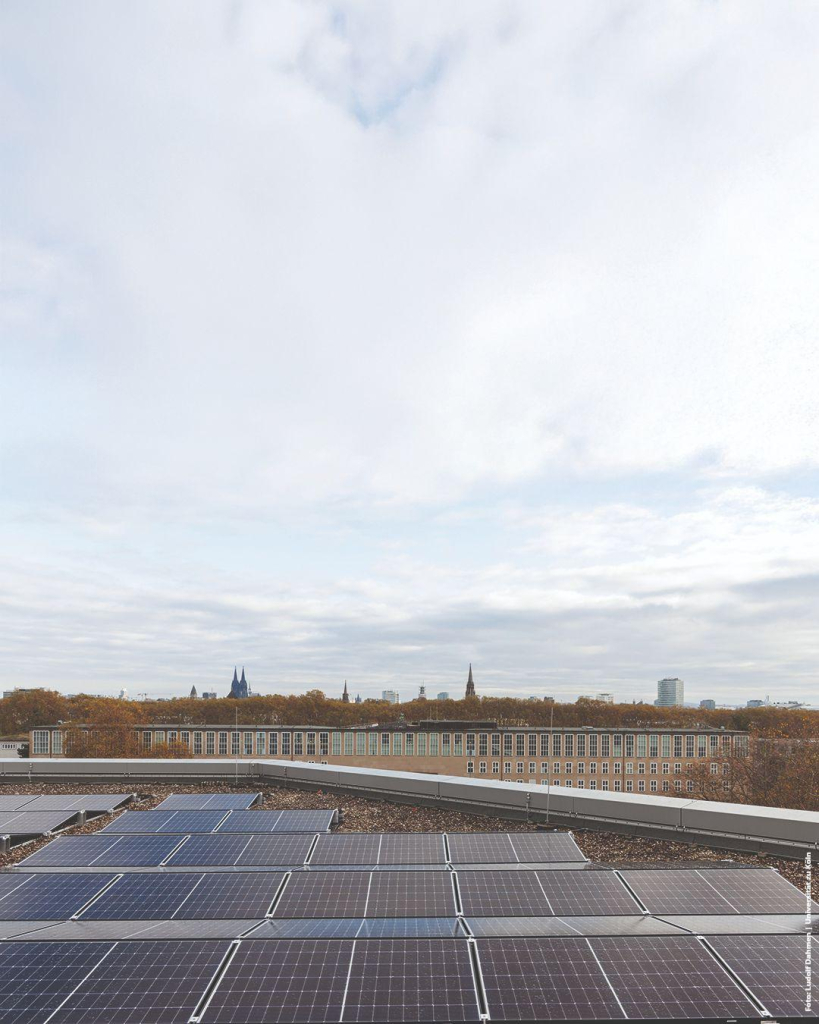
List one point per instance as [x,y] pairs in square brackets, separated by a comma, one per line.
[165,821]
[47,897]
[243,850]
[208,801]
[105,851]
[35,977]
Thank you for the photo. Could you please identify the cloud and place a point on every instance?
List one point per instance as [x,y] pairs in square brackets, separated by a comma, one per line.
[430,304]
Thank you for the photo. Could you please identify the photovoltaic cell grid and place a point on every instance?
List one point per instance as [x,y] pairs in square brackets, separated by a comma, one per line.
[411,980]
[35,977]
[410,894]
[277,821]
[244,850]
[104,851]
[502,894]
[14,803]
[83,802]
[179,822]
[513,848]
[282,981]
[772,966]
[208,801]
[325,894]
[724,891]
[383,849]
[150,982]
[44,897]
[186,896]
[33,823]
[669,977]
[322,894]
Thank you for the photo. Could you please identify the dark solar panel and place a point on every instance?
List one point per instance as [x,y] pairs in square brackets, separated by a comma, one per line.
[583,893]
[46,897]
[35,977]
[347,849]
[281,981]
[244,850]
[669,977]
[411,894]
[104,851]
[715,891]
[179,822]
[502,894]
[144,897]
[545,847]
[272,851]
[409,928]
[251,821]
[33,823]
[83,802]
[14,803]
[208,801]
[412,848]
[159,982]
[325,894]
[772,966]
[306,821]
[232,894]
[481,848]
[545,979]
[411,980]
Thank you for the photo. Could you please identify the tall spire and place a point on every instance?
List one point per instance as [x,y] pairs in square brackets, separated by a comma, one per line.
[470,683]
[235,677]
[345,696]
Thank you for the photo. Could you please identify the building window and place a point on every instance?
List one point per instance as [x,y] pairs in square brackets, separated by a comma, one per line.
[385,744]
[629,767]
[604,767]
[665,785]
[57,741]
[677,768]
[482,767]
[274,744]
[605,784]
[556,745]
[617,785]
[666,746]
[470,767]
[519,767]
[147,740]
[286,744]
[483,744]
[373,744]
[349,743]
[678,785]
[446,745]
[520,744]
[186,738]
[568,783]
[618,767]
[311,744]
[532,744]
[726,769]
[690,786]
[726,786]
[458,744]
[434,741]
[702,746]
[689,746]
[581,784]
[617,749]
[726,745]
[641,768]
[410,743]
[593,784]
[544,767]
[210,743]
[653,767]
[298,744]
[666,767]
[336,744]
[678,746]
[159,736]
[580,740]
[653,785]
[495,767]
[556,768]
[593,767]
[593,744]
[532,767]
[714,745]
[629,786]
[507,767]
[470,744]
[653,746]
[422,744]
[324,744]
[248,745]
[568,745]
[544,744]
[629,746]
[568,768]
[641,785]
[261,744]
[41,741]
[641,746]
[173,737]
[605,746]
[495,744]
[397,743]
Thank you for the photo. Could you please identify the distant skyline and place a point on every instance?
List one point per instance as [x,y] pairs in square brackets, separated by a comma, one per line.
[367,340]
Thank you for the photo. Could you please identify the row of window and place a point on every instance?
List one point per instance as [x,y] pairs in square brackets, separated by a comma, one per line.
[653,787]
[433,744]
[570,768]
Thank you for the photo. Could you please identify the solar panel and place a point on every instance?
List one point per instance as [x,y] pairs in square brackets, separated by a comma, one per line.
[545,847]
[502,894]
[306,821]
[186,895]
[35,977]
[278,821]
[45,897]
[412,848]
[14,803]
[410,894]
[347,849]
[282,981]
[243,850]
[324,894]
[411,980]
[208,801]
[83,802]
[669,977]
[772,966]
[158,982]
[481,848]
[34,823]
[586,893]
[715,891]
[545,979]
[104,851]
[409,928]
[179,822]
[497,927]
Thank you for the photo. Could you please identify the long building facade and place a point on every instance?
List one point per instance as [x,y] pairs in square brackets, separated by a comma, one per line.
[645,760]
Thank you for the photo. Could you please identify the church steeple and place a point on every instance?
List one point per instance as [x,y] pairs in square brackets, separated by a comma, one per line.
[345,696]
[470,683]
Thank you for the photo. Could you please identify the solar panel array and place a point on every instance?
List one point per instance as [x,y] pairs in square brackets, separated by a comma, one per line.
[233,926]
[34,823]
[94,802]
[208,801]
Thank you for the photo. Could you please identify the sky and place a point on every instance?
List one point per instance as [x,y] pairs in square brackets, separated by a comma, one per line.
[366,340]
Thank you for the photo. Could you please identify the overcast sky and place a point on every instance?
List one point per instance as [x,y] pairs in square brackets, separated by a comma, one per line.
[364,340]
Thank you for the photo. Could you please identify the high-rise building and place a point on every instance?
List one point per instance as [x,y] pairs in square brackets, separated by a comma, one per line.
[708,705]
[470,683]
[443,695]
[606,698]
[123,694]
[391,696]
[669,693]
[208,695]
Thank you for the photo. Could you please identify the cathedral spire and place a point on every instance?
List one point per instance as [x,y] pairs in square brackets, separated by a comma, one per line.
[345,696]
[470,683]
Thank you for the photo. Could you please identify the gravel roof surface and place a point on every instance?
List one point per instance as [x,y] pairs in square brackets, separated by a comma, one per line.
[379,816]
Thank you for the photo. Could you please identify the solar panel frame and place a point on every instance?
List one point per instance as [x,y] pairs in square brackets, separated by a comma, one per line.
[152,822]
[337,848]
[691,891]
[411,980]
[51,897]
[266,822]
[144,897]
[307,820]
[283,981]
[544,979]
[35,977]
[158,981]
[104,851]
[426,848]
[34,823]
[94,802]
[772,966]
[481,848]
[243,850]
[546,848]
[669,976]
